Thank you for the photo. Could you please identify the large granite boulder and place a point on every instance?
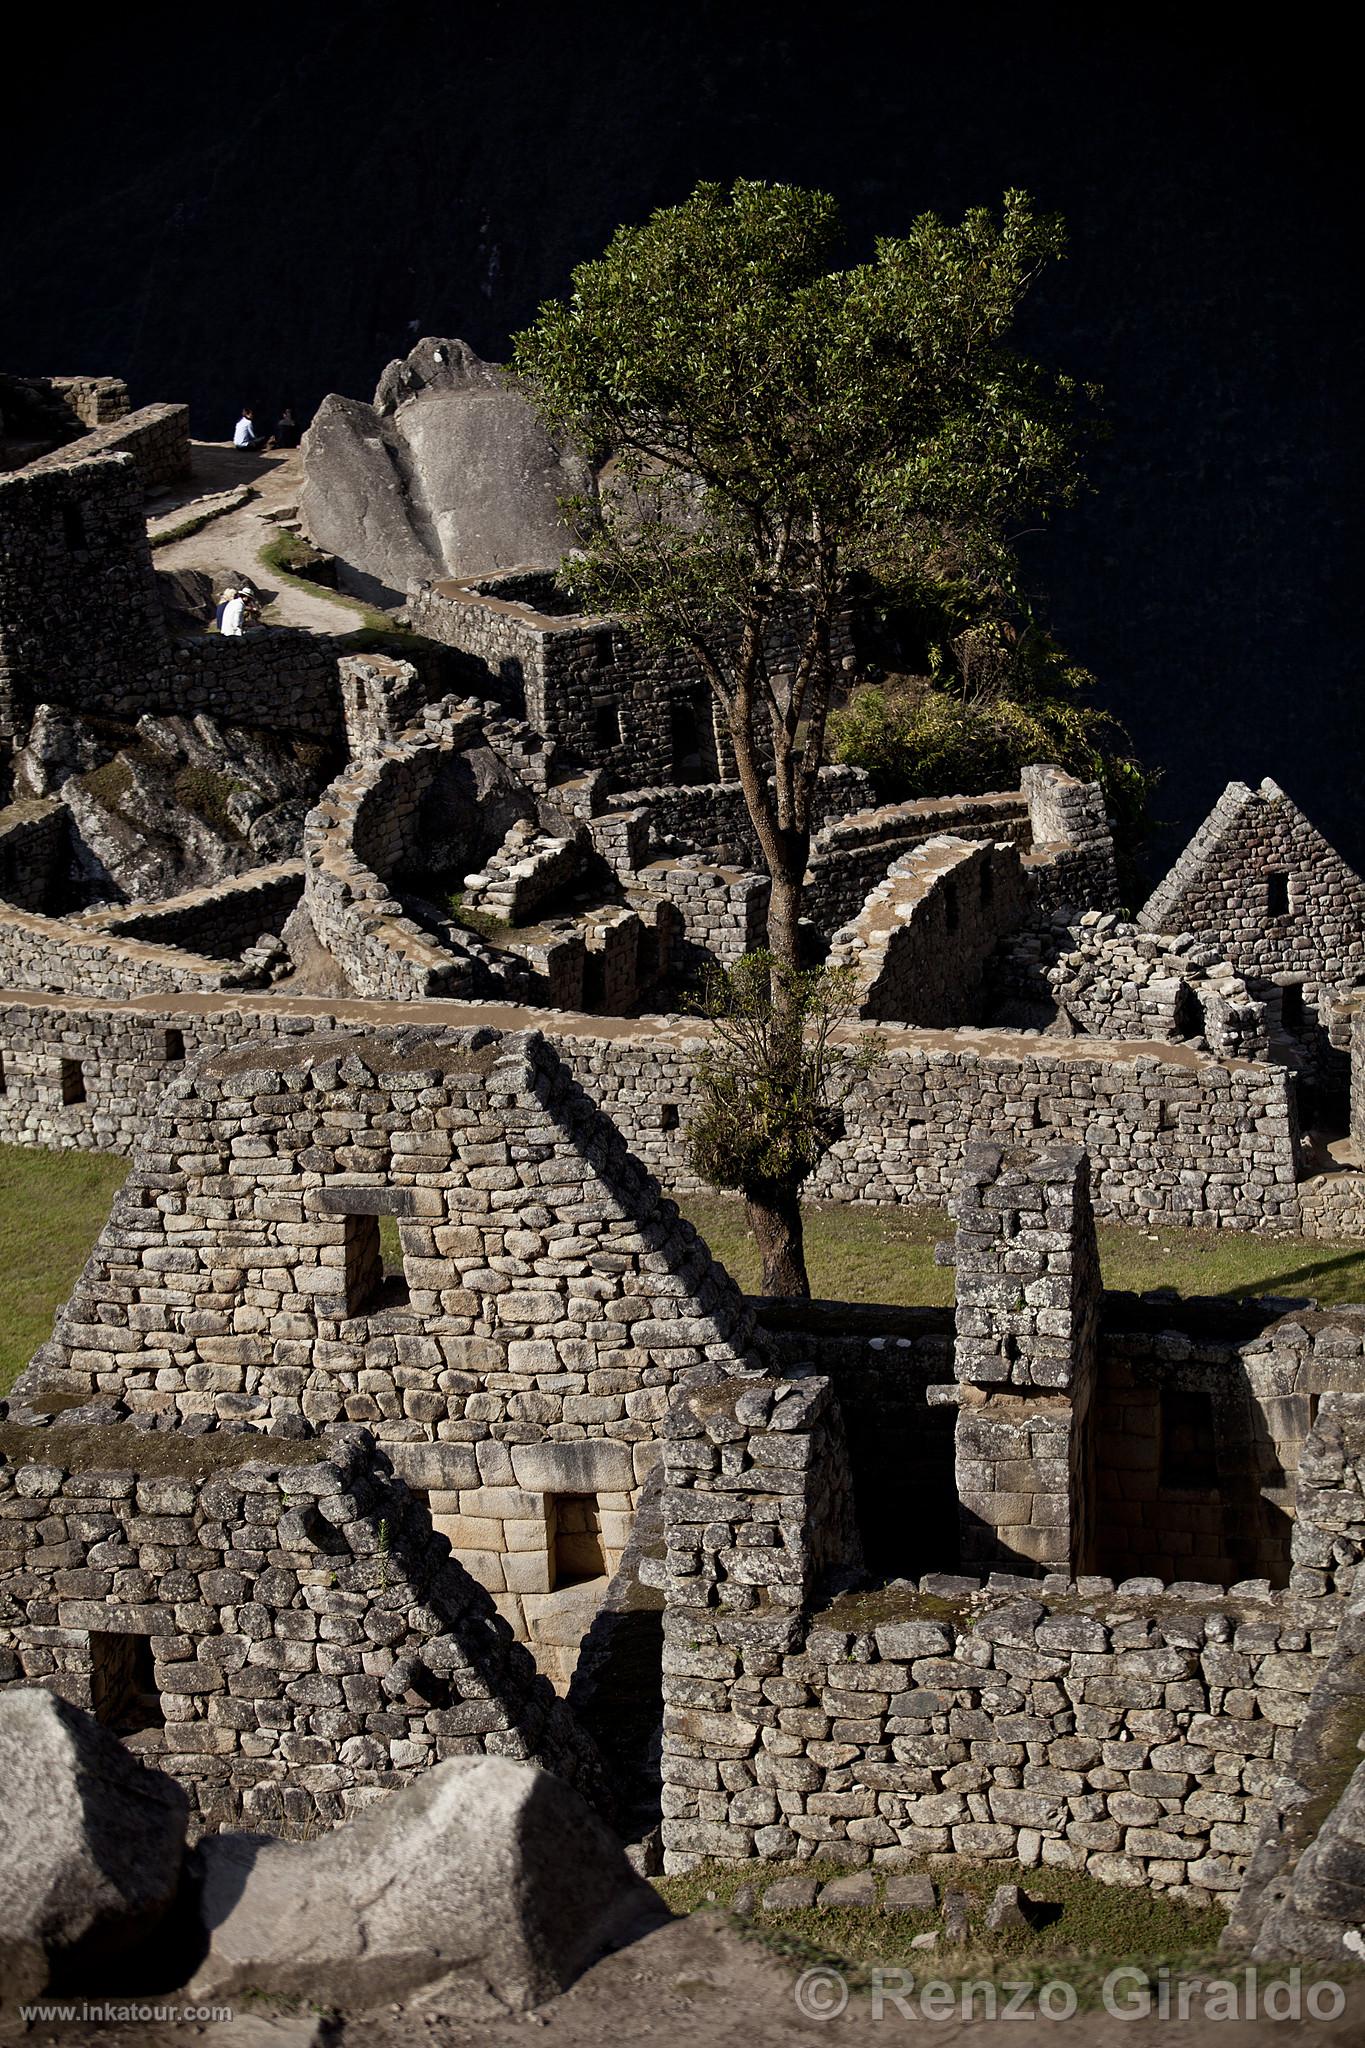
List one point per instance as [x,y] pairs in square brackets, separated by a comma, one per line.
[447,473]
[492,1875]
[91,1845]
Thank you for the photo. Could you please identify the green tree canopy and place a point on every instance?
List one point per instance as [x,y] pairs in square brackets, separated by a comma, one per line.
[774,423]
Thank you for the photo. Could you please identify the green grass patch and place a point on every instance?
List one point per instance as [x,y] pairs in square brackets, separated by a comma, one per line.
[205,792]
[881,1255]
[288,557]
[53,1206]
[188,528]
[110,783]
[481,922]
[1082,1928]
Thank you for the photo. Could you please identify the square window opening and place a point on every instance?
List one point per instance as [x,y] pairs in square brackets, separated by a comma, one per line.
[123,1690]
[577,1554]
[72,1082]
[1291,1005]
[1189,1447]
[669,1117]
[604,649]
[174,1047]
[1277,892]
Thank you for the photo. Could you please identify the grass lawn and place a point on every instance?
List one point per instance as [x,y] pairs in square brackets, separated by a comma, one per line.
[53,1206]
[888,1256]
[1082,1928]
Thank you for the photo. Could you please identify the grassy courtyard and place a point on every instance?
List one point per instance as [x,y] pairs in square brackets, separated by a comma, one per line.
[53,1204]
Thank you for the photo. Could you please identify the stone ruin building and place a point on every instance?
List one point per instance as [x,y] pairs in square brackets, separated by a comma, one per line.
[397,1413]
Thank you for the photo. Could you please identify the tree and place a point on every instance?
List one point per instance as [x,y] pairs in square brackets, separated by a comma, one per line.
[771,431]
[774,428]
[774,1082]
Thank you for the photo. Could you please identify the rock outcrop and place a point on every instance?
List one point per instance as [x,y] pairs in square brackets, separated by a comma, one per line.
[91,1844]
[447,472]
[485,1871]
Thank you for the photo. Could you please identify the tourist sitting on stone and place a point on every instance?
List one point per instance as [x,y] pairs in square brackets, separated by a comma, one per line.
[231,624]
[286,434]
[244,434]
[224,601]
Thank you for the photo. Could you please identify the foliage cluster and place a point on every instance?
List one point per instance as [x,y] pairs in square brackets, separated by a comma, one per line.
[773,1082]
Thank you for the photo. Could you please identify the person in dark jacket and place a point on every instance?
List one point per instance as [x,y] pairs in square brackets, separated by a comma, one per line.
[286,434]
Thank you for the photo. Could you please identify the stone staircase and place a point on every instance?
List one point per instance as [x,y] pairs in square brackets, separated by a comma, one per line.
[529,868]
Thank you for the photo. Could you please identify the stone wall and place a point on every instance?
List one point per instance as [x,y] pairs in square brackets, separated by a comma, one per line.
[593,685]
[922,945]
[80,619]
[1027,1324]
[94,401]
[1113,980]
[1073,847]
[79,960]
[1134,1732]
[1173,1136]
[35,853]
[221,920]
[713,818]
[157,437]
[285,1632]
[850,856]
[380,698]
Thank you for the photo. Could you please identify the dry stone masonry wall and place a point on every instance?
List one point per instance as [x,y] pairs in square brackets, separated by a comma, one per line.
[277,1626]
[923,942]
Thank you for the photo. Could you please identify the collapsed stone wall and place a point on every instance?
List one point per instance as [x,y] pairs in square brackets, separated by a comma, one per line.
[1116,981]
[156,437]
[922,945]
[94,401]
[277,1626]
[1174,1136]
[1133,1732]
[851,856]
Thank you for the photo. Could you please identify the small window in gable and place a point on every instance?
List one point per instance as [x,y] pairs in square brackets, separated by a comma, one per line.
[1277,893]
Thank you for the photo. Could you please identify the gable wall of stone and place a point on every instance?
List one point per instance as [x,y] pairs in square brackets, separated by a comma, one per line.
[313,1643]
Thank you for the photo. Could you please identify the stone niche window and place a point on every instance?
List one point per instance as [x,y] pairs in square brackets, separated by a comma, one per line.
[174,1048]
[604,649]
[576,1552]
[3,1083]
[1291,1005]
[1189,1446]
[71,1079]
[1277,892]
[606,725]
[669,1116]
[375,1278]
[123,1692]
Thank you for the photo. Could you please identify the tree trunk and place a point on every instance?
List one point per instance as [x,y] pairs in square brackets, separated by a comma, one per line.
[775,1220]
[784,913]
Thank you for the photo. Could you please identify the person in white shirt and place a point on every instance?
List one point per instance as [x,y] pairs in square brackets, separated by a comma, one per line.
[245,435]
[231,627]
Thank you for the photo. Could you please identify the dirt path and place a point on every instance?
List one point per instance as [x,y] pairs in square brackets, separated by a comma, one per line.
[232,543]
[697,1982]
